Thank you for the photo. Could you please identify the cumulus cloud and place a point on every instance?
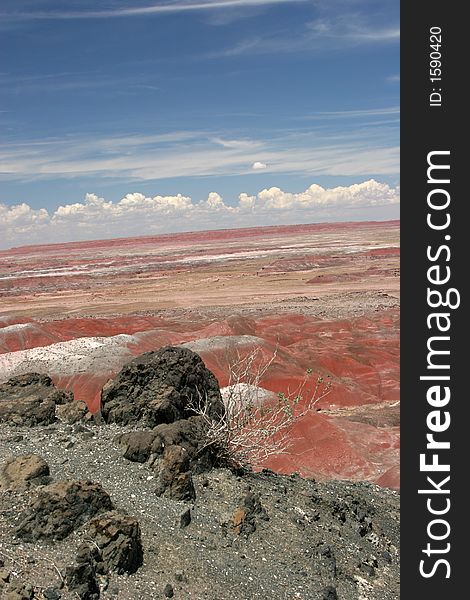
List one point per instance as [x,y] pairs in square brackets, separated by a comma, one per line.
[245,201]
[258,166]
[369,193]
[137,214]
[22,219]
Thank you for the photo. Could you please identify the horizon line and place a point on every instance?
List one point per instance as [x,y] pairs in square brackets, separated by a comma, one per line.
[198,232]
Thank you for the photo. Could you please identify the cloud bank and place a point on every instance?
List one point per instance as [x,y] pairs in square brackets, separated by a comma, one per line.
[137,214]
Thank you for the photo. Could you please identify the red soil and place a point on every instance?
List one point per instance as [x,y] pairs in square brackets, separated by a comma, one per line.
[353,436]
[359,355]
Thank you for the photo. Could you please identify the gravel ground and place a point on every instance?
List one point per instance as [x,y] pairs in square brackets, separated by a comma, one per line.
[334,540]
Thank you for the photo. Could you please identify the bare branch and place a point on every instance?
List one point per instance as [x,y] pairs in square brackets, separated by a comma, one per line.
[253,429]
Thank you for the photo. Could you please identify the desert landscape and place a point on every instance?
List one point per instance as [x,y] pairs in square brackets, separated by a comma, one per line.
[116,483]
[200,300]
[322,298]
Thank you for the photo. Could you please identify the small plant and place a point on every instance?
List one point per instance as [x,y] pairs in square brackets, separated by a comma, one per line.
[254,427]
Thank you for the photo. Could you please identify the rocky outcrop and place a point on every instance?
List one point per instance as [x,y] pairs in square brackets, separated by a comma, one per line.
[117,537]
[322,540]
[174,478]
[72,412]
[244,518]
[190,434]
[61,507]
[20,472]
[113,544]
[159,387]
[137,446]
[80,578]
[30,400]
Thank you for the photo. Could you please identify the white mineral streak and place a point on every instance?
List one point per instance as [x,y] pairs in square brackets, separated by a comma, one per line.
[92,355]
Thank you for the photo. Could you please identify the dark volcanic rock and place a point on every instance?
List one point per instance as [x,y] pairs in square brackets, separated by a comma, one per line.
[174,479]
[81,579]
[190,434]
[244,517]
[119,541]
[329,593]
[137,445]
[61,507]
[30,400]
[22,471]
[185,518]
[157,387]
[51,593]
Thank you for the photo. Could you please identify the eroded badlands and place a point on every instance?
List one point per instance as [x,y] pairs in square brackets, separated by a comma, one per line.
[319,297]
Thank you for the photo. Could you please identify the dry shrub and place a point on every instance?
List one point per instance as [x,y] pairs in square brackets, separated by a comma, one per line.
[252,428]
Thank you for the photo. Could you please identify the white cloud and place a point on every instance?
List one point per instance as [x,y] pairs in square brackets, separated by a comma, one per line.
[333,30]
[354,150]
[137,214]
[348,114]
[368,193]
[154,9]
[353,29]
[22,220]
[245,201]
[236,144]
[258,166]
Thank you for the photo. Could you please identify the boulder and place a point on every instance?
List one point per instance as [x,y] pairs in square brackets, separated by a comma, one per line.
[72,412]
[190,434]
[137,445]
[61,507]
[81,579]
[185,518]
[52,593]
[118,538]
[141,446]
[159,387]
[174,479]
[243,521]
[30,400]
[19,472]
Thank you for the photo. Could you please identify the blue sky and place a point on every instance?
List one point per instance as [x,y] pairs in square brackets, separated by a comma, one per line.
[180,99]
